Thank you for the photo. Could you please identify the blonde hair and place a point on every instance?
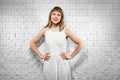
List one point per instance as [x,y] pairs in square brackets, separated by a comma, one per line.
[61,23]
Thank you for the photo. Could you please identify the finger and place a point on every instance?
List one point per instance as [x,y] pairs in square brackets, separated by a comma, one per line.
[47,53]
[47,56]
[63,56]
[62,53]
[47,59]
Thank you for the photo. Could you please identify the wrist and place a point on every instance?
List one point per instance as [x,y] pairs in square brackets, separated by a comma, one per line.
[71,55]
[41,56]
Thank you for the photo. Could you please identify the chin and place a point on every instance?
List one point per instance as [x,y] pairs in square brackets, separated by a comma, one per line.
[55,23]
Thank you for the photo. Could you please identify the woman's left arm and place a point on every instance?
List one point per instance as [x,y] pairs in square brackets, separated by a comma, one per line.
[76,40]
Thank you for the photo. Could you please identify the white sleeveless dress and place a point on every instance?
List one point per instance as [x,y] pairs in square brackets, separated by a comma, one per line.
[56,68]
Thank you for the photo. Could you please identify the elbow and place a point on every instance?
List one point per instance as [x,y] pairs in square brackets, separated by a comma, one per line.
[81,45]
[31,43]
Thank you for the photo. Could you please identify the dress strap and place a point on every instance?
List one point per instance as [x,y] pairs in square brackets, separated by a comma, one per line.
[46,30]
[64,31]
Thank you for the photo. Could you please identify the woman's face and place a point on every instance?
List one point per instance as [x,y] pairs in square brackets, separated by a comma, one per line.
[56,17]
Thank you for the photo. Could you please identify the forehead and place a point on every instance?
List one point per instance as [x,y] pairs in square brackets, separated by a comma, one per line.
[56,12]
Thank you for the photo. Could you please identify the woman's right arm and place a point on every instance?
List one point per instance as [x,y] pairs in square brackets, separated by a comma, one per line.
[35,40]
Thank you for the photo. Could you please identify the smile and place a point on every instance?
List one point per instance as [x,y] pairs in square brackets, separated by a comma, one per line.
[55,19]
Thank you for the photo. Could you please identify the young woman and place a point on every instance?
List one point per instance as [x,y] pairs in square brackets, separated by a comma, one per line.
[56,64]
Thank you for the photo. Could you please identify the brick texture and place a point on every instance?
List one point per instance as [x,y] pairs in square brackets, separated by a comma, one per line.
[95,22]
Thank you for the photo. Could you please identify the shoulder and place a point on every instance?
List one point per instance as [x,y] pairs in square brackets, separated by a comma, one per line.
[67,31]
[43,30]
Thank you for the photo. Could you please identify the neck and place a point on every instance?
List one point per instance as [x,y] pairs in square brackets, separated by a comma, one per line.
[55,25]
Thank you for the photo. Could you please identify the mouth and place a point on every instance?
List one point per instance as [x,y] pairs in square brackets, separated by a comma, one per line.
[55,19]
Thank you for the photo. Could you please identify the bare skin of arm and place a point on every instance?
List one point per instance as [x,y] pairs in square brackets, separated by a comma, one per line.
[77,41]
[34,47]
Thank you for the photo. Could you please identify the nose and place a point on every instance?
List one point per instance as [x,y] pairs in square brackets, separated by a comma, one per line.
[56,16]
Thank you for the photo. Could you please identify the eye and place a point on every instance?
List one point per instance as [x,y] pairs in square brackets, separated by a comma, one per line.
[59,14]
[53,13]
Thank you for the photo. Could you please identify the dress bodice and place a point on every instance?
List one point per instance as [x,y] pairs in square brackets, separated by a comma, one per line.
[55,41]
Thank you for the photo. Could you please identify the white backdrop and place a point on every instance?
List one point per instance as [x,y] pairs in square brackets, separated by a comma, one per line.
[96,22]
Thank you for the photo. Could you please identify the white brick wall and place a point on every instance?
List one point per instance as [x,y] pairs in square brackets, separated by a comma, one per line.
[96,22]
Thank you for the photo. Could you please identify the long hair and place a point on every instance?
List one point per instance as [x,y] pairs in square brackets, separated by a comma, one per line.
[61,23]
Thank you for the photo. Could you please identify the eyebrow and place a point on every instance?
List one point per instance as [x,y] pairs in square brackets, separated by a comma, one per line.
[58,13]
